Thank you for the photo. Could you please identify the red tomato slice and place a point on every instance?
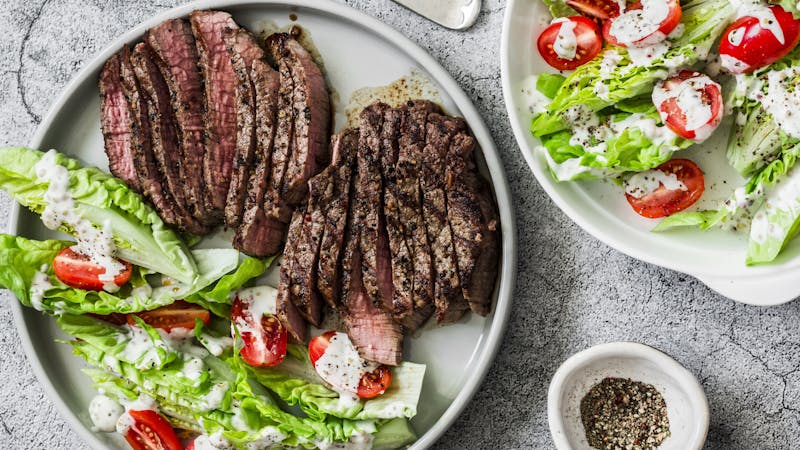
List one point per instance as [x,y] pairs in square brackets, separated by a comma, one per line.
[587,43]
[150,431]
[747,45]
[264,338]
[77,270]
[643,33]
[180,314]
[694,86]
[600,9]
[372,384]
[664,202]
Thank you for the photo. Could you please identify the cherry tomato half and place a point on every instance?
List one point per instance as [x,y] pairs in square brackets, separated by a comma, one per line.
[150,431]
[749,43]
[180,314]
[372,383]
[77,270]
[587,42]
[698,91]
[599,9]
[635,29]
[265,338]
[664,202]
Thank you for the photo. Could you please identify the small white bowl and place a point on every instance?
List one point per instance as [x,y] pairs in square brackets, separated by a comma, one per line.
[687,406]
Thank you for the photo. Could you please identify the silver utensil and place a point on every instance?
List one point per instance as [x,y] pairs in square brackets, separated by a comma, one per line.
[455,14]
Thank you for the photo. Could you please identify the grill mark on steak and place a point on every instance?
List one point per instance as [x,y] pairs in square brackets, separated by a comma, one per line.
[374,245]
[402,257]
[337,205]
[448,297]
[410,210]
[176,55]
[311,128]
[288,313]
[373,331]
[220,93]
[117,121]
[474,222]
[163,134]
[243,51]
[259,234]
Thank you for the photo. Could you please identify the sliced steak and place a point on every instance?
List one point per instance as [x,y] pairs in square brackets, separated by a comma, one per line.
[474,223]
[336,202]
[117,121]
[243,50]
[287,312]
[400,245]
[371,328]
[374,244]
[259,234]
[174,45]
[411,143]
[220,93]
[448,297]
[312,121]
[164,139]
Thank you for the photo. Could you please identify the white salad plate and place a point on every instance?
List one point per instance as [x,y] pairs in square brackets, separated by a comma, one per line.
[357,51]
[715,257]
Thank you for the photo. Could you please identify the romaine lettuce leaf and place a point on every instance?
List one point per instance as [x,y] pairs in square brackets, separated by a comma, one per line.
[139,234]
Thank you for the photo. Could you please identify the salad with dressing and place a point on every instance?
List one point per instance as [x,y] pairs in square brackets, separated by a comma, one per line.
[636,82]
[183,344]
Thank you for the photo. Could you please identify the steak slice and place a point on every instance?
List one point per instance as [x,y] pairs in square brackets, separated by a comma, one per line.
[220,93]
[259,234]
[176,55]
[117,121]
[411,143]
[448,297]
[474,221]
[374,244]
[288,314]
[336,201]
[312,122]
[243,51]
[400,247]
[375,334]
[163,136]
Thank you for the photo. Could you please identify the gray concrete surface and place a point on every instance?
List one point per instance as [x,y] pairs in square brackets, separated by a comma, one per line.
[573,291]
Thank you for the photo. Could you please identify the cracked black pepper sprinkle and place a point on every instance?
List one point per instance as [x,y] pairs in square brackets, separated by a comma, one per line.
[619,413]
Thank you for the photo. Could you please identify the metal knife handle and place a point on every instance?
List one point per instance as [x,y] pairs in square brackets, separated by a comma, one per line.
[455,14]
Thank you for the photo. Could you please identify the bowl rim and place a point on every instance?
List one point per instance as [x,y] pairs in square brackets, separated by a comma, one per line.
[488,348]
[672,369]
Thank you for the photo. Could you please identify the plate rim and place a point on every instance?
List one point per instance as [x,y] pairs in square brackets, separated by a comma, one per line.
[508,264]
[773,279]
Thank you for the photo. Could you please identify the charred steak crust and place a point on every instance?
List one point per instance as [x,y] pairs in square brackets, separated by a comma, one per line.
[288,313]
[258,234]
[337,205]
[163,133]
[117,121]
[303,279]
[220,93]
[448,297]
[311,113]
[474,223]
[176,55]
[243,51]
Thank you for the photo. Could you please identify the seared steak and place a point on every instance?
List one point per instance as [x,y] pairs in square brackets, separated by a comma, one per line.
[473,221]
[243,50]
[259,234]
[164,139]
[287,311]
[176,55]
[312,118]
[376,260]
[117,121]
[448,297]
[336,202]
[220,92]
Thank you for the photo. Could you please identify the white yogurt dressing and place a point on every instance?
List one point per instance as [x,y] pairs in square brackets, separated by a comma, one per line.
[633,26]
[39,285]
[215,441]
[258,301]
[104,412]
[785,197]
[97,244]
[566,43]
[216,345]
[644,56]
[688,95]
[766,17]
[267,437]
[342,367]
[142,403]
[360,441]
[645,183]
[782,99]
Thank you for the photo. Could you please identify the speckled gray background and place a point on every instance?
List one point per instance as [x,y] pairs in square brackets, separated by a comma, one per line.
[573,291]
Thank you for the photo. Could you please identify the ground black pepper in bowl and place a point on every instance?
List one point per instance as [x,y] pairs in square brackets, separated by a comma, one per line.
[619,413]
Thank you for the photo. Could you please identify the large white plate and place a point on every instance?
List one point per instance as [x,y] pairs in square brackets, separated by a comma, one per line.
[358,51]
[714,257]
